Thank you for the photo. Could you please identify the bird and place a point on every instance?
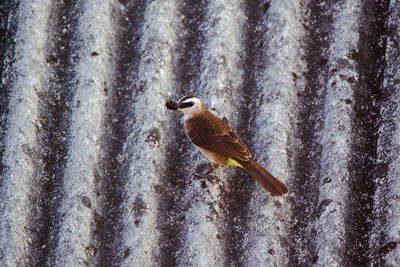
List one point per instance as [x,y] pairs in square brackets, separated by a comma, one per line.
[221,145]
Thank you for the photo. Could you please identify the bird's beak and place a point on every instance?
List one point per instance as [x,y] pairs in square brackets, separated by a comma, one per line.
[172,105]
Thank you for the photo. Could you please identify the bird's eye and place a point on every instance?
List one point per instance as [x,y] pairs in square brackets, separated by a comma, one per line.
[187,104]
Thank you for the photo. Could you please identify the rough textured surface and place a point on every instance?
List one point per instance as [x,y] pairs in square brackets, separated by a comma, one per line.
[94,170]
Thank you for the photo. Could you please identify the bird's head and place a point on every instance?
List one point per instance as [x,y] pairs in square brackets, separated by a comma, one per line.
[190,105]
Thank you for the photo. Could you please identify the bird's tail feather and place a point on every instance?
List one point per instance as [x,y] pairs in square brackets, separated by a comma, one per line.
[269,182]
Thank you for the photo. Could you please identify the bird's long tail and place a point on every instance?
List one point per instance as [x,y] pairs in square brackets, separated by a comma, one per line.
[269,182]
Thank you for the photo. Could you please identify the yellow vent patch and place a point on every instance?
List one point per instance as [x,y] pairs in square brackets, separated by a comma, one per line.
[234,163]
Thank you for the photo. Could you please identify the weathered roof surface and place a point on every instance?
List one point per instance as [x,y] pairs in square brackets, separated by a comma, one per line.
[94,170]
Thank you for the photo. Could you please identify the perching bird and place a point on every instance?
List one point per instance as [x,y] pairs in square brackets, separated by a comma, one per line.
[220,144]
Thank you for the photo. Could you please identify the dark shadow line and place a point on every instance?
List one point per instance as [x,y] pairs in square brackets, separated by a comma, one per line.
[307,153]
[112,172]
[370,59]
[54,117]
[7,54]
[237,196]
[176,179]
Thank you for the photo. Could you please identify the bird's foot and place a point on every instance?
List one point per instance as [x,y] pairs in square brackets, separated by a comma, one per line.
[214,166]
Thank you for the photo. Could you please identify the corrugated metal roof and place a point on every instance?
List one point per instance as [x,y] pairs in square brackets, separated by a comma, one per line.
[95,170]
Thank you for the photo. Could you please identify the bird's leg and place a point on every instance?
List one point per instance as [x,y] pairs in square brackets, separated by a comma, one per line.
[214,166]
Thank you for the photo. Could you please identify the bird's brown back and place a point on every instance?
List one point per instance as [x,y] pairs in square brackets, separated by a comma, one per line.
[210,132]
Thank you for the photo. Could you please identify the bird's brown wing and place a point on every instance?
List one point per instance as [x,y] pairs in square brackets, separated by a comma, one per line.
[214,134]
[231,145]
